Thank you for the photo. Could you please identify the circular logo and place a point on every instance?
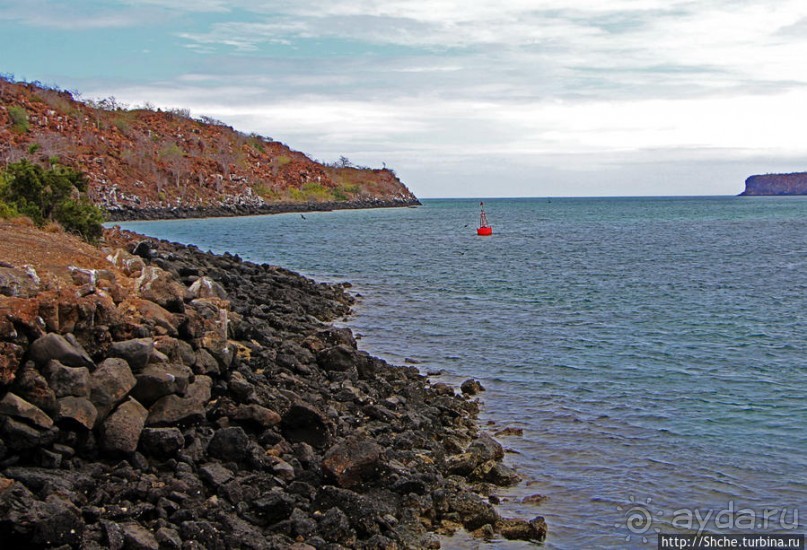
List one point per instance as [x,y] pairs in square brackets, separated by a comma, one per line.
[637,518]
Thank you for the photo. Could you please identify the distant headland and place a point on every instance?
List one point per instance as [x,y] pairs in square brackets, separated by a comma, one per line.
[776,184]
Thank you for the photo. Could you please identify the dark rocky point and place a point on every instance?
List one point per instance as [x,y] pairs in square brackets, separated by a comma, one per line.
[209,407]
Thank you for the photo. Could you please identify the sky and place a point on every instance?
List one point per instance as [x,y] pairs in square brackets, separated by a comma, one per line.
[462,99]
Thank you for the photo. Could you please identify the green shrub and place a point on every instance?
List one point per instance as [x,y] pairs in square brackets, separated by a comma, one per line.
[7,211]
[51,195]
[19,119]
[80,217]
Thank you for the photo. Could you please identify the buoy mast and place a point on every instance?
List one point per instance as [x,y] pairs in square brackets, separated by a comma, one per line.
[484,229]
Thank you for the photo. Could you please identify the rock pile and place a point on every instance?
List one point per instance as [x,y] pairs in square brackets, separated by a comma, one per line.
[186,400]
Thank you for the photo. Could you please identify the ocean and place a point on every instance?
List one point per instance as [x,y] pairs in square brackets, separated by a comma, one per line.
[653,350]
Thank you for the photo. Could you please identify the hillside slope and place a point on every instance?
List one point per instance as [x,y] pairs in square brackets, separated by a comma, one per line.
[152,163]
[776,184]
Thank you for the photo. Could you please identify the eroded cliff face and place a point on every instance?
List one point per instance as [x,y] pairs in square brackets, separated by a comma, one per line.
[146,160]
[776,184]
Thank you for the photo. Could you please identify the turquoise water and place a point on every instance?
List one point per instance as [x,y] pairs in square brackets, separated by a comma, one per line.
[652,349]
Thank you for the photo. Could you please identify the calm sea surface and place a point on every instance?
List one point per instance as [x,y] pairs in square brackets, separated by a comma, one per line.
[654,350]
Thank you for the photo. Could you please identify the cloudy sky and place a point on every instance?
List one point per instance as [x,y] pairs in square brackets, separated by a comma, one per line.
[482,98]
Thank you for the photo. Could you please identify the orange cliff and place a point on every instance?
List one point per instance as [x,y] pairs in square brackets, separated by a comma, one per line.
[145,163]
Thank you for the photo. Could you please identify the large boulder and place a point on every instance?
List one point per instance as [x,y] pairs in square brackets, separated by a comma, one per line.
[136,352]
[110,384]
[32,386]
[55,346]
[304,423]
[353,461]
[474,512]
[157,381]
[66,381]
[130,264]
[229,444]
[120,432]
[78,410]
[161,443]
[15,406]
[26,522]
[160,287]
[521,529]
[205,287]
[190,409]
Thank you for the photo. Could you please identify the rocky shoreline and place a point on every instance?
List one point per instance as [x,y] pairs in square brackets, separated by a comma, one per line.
[179,399]
[249,209]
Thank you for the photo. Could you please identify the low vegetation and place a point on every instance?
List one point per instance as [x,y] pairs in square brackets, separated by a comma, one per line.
[56,194]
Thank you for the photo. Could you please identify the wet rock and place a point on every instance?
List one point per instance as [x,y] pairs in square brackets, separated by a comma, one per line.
[190,409]
[441,388]
[13,405]
[229,444]
[120,432]
[55,346]
[496,473]
[353,461]
[485,448]
[110,384]
[78,410]
[510,431]
[534,499]
[335,336]
[66,381]
[471,387]
[32,386]
[135,352]
[472,510]
[137,537]
[462,464]
[304,423]
[519,529]
[161,442]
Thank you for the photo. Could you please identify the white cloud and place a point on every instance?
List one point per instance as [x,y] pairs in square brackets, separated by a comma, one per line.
[553,87]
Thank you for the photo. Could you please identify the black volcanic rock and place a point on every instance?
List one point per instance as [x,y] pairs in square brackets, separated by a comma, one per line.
[296,438]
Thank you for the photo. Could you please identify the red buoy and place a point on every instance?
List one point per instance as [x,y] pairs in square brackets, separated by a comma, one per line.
[484,229]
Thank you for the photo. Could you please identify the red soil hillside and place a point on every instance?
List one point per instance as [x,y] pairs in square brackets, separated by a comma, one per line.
[140,159]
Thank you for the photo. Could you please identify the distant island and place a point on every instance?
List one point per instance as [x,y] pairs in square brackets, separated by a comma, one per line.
[776,185]
[143,162]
